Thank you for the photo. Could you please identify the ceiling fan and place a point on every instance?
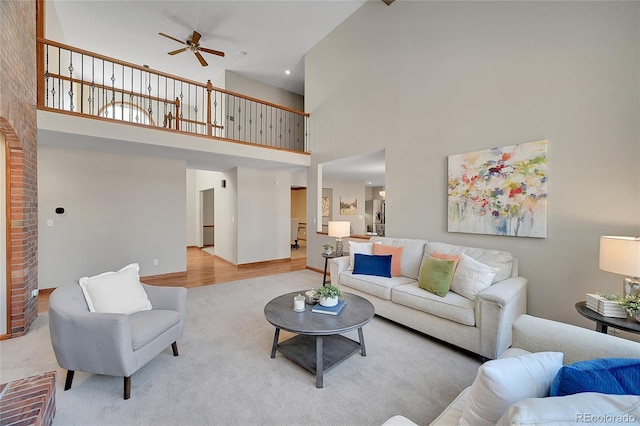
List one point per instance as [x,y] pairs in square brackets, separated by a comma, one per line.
[193,44]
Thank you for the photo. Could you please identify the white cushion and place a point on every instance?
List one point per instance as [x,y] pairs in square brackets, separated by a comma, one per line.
[581,408]
[502,382]
[502,260]
[471,277]
[116,292]
[364,248]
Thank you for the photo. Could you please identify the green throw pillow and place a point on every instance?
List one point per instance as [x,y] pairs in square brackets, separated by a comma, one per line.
[436,276]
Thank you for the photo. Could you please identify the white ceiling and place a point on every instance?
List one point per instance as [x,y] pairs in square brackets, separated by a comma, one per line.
[275,35]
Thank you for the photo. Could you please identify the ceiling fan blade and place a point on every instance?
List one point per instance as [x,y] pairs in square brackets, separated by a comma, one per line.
[201,59]
[213,52]
[388,2]
[172,38]
[175,52]
[195,38]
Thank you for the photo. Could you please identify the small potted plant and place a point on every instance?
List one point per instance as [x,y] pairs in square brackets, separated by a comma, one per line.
[328,248]
[631,304]
[328,295]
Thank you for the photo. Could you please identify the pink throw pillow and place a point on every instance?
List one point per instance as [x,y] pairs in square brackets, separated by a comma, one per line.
[396,255]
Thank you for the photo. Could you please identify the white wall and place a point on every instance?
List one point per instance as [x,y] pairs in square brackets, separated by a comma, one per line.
[119,209]
[256,89]
[226,213]
[424,80]
[264,215]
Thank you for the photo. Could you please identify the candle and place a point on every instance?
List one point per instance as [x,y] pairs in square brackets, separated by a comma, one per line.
[298,303]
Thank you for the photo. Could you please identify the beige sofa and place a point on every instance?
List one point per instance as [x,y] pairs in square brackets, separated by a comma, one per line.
[482,326]
[532,334]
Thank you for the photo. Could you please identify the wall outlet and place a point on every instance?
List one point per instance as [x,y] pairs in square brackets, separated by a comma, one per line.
[34,293]
[155,262]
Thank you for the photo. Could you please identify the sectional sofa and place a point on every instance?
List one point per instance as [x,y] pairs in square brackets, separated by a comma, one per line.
[480,324]
[543,337]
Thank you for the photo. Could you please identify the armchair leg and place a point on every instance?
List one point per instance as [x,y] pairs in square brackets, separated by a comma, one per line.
[127,387]
[67,383]
[174,346]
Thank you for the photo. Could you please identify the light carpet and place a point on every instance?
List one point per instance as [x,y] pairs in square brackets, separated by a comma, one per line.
[225,376]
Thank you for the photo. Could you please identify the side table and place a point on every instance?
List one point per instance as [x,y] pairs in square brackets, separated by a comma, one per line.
[603,323]
[326,256]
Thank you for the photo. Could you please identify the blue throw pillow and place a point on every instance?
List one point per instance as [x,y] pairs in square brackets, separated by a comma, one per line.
[367,264]
[615,376]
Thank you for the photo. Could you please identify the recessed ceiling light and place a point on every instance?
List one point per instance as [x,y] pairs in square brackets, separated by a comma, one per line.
[287,72]
[369,182]
[242,54]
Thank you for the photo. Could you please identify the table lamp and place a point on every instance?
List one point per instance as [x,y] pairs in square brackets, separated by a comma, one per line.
[621,255]
[339,229]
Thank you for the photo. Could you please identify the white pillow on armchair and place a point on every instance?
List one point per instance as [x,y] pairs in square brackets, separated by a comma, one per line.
[116,292]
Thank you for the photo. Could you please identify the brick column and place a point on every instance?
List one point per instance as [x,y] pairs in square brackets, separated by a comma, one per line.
[19,127]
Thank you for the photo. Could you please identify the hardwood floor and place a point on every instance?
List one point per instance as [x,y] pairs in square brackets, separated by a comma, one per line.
[204,269]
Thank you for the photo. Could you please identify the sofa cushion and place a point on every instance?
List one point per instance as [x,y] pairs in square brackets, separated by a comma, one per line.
[395,252]
[366,264]
[147,325]
[436,276]
[471,277]
[376,286]
[452,307]
[617,376]
[502,382]
[412,253]
[497,259]
[355,247]
[579,409]
[116,292]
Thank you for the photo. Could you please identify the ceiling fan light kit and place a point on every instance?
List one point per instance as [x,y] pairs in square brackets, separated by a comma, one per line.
[193,45]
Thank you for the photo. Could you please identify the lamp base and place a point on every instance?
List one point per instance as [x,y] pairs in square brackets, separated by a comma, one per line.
[338,246]
[632,286]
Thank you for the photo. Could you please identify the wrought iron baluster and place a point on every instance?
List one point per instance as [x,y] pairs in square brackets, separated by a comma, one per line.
[122,95]
[46,76]
[113,90]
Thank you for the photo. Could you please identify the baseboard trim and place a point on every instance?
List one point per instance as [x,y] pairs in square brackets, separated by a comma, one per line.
[317,270]
[168,275]
[263,263]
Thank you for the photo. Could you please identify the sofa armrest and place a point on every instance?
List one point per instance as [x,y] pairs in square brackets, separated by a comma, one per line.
[497,308]
[338,265]
[93,342]
[538,335]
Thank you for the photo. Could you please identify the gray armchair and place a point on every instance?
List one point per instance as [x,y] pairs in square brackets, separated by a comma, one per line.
[113,344]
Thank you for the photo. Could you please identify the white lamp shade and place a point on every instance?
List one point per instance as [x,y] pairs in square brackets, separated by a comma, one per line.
[620,255]
[339,229]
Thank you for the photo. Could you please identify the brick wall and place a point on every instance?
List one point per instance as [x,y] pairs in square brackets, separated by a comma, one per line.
[18,124]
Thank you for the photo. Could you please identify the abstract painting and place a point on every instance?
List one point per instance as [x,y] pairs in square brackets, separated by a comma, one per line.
[326,206]
[499,191]
[348,205]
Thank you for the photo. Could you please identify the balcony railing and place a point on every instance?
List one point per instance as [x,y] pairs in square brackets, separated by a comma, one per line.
[81,82]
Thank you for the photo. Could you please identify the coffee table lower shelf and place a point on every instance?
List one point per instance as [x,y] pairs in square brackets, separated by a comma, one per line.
[303,350]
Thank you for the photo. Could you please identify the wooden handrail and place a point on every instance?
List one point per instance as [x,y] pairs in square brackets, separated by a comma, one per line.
[162,74]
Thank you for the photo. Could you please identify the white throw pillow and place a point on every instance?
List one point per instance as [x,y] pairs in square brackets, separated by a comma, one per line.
[116,292]
[502,382]
[364,248]
[471,277]
[581,408]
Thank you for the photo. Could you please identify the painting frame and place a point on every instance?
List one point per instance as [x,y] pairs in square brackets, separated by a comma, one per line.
[348,205]
[499,191]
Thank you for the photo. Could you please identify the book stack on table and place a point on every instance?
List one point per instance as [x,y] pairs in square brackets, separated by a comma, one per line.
[333,310]
[605,307]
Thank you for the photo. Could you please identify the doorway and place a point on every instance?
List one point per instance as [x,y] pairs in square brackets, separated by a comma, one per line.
[207,215]
[299,210]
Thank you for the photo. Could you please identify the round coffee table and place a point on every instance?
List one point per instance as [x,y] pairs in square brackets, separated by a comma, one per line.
[318,345]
